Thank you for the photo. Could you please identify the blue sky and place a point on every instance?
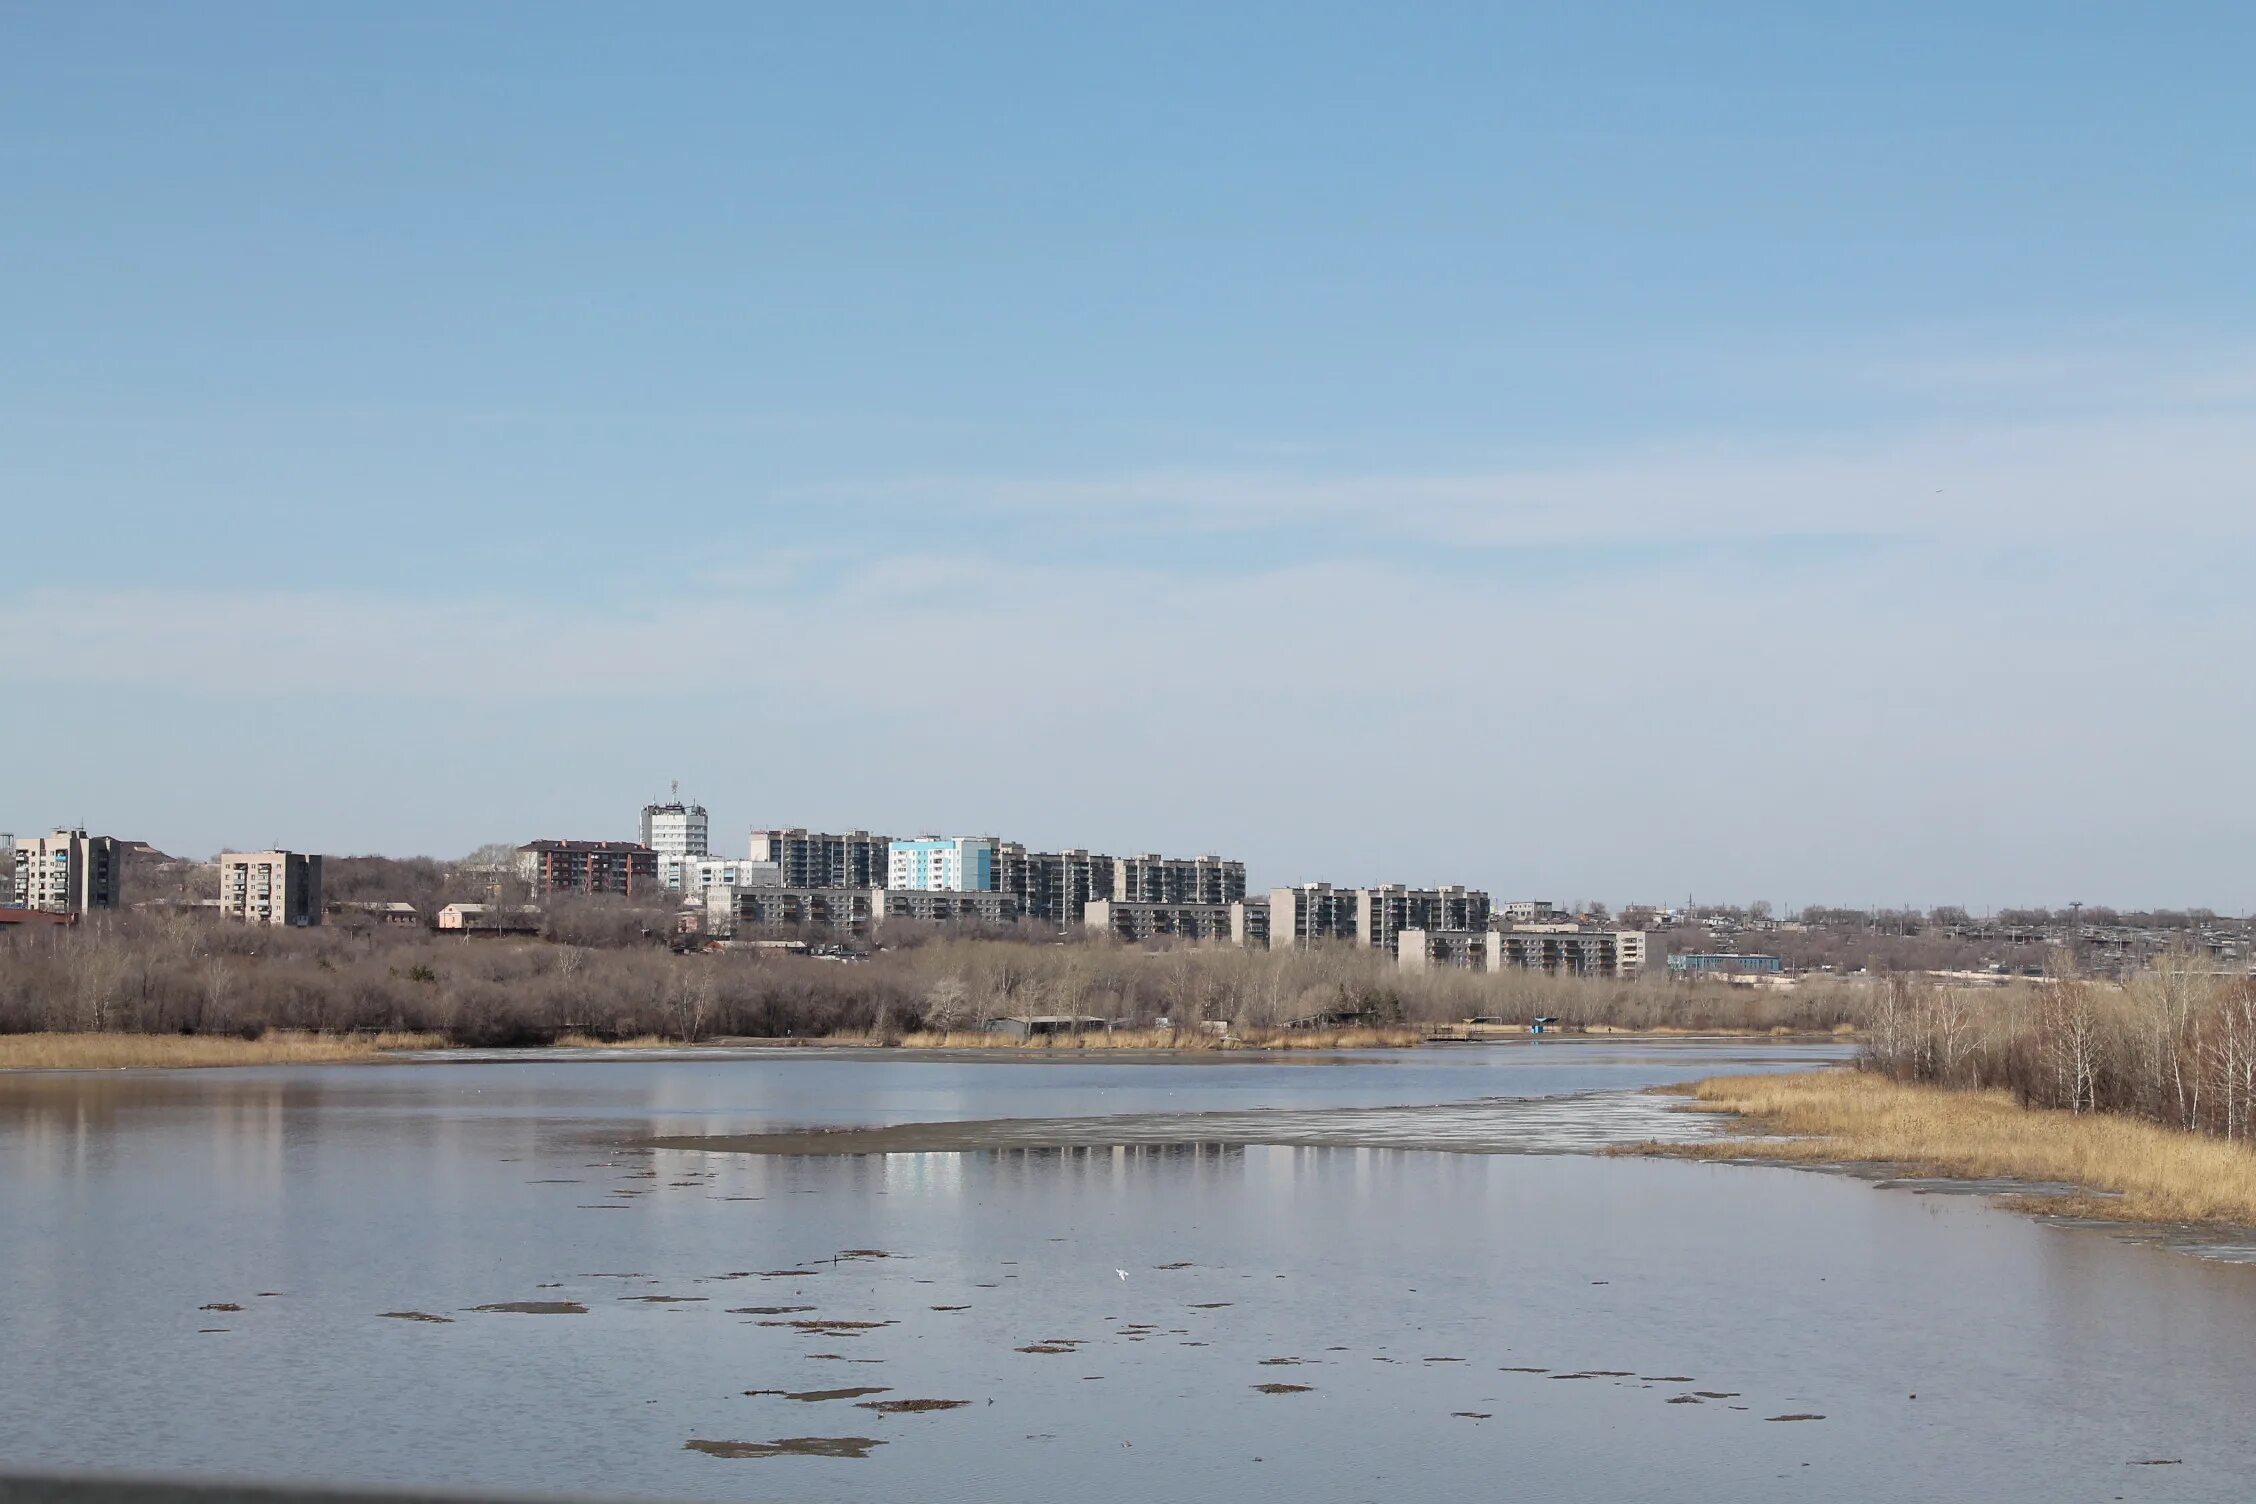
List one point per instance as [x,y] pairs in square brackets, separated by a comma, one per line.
[1799,451]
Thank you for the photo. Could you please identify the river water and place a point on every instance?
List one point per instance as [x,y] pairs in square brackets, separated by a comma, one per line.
[1468,1306]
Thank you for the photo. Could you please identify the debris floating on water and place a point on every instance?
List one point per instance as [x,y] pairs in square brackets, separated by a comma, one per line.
[793,1446]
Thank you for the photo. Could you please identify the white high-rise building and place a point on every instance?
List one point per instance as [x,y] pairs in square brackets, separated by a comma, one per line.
[676,831]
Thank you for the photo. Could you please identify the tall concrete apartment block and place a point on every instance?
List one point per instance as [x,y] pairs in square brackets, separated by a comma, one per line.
[1057,887]
[942,864]
[626,868]
[1373,918]
[1241,922]
[1152,878]
[1383,913]
[1310,914]
[1563,949]
[1052,886]
[270,887]
[678,832]
[811,859]
[68,872]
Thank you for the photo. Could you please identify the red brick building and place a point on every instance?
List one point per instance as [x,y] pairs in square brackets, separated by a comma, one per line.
[622,867]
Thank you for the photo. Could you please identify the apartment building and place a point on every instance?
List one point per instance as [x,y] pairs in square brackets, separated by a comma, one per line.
[943,906]
[1530,911]
[813,859]
[942,864]
[270,887]
[1131,920]
[1382,913]
[692,875]
[68,872]
[731,911]
[1052,886]
[1442,950]
[626,868]
[1152,878]
[1373,918]
[677,830]
[1568,950]
[1562,949]
[1310,914]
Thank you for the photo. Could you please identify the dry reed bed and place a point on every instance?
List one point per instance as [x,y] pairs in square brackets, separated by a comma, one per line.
[141,1051]
[2158,1174]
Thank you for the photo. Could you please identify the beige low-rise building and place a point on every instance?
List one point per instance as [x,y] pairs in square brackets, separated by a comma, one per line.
[490,918]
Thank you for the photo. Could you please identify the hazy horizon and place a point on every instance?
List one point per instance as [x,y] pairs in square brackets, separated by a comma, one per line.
[1739,451]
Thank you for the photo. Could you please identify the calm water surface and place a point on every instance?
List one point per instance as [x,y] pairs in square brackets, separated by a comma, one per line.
[1953,1351]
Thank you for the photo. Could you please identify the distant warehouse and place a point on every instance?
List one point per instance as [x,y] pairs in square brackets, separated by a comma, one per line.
[1725,964]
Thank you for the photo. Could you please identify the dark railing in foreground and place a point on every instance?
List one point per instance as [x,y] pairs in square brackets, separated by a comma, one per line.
[124,1488]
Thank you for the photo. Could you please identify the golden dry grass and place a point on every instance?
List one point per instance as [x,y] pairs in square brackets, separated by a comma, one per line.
[52,1052]
[1171,1039]
[2158,1174]
[638,1042]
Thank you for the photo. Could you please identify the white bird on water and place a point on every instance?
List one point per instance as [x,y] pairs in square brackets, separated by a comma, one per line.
[1121,1272]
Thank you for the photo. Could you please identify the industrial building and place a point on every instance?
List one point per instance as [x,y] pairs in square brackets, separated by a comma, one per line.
[68,872]
[626,868]
[270,887]
[813,859]
[1723,964]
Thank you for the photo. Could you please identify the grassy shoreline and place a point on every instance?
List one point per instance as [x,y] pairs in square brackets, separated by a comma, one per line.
[130,1051]
[2131,1169]
[113,1051]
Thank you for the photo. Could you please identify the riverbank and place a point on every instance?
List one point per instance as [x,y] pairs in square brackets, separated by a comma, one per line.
[1166,1041]
[111,1051]
[2129,1170]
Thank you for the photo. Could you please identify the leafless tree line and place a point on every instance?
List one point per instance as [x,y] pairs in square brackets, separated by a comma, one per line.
[2176,1044]
[607,970]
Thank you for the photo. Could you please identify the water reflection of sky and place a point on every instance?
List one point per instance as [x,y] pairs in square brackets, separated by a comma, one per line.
[2045,1362]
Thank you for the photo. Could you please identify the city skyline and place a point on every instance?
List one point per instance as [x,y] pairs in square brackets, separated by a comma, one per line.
[1646,452]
